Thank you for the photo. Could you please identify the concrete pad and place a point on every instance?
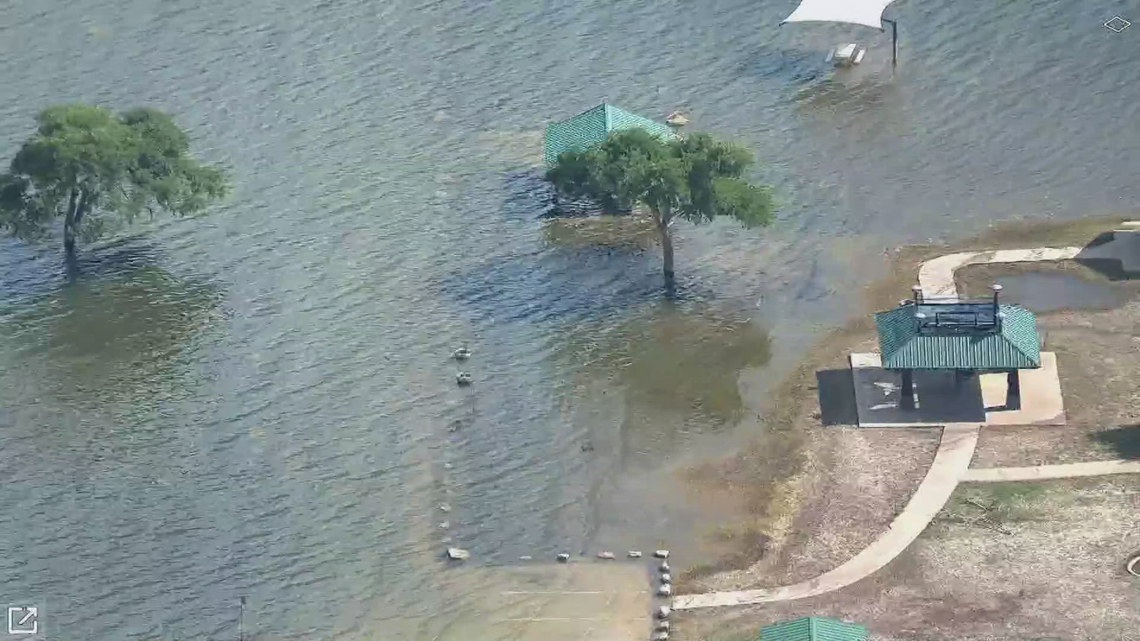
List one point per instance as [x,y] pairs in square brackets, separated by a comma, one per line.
[938,401]
[596,600]
[1041,400]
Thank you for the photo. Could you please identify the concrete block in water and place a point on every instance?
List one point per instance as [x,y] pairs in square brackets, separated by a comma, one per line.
[661,554]
[458,554]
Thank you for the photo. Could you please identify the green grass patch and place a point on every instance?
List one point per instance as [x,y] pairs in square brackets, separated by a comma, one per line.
[1001,502]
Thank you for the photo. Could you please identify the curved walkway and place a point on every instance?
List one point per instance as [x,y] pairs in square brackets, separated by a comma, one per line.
[950,467]
[951,461]
[936,276]
[1046,472]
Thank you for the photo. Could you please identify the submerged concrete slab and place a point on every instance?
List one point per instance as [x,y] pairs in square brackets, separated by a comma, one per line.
[1041,400]
[938,400]
[596,600]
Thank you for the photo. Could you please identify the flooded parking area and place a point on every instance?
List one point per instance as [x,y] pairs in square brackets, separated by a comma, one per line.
[1044,292]
[1094,284]
[595,601]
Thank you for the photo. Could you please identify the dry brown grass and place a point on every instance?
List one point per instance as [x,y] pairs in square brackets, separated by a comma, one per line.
[794,476]
[1057,574]
[1098,357]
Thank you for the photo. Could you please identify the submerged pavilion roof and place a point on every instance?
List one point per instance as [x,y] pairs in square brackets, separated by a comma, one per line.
[592,127]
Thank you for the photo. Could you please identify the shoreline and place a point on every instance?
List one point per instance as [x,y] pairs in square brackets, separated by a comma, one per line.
[781,470]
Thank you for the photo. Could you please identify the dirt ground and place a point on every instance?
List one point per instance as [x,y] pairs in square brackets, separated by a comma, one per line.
[851,484]
[1049,564]
[1098,357]
[810,496]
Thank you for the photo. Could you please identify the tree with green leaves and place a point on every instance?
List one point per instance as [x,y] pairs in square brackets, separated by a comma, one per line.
[95,168]
[695,178]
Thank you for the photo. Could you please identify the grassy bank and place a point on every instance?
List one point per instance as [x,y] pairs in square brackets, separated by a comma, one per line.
[768,481]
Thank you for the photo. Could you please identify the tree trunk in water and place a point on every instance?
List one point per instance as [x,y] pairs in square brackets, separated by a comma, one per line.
[71,221]
[667,254]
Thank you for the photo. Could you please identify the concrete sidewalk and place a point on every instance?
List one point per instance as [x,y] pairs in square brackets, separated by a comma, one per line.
[936,276]
[951,461]
[1045,472]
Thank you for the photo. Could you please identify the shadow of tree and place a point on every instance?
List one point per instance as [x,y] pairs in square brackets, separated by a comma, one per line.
[568,276]
[1125,441]
[675,369]
[112,334]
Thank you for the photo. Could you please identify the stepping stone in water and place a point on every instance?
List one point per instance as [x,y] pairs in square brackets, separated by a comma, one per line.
[666,578]
[661,554]
[564,558]
[458,554]
[663,612]
[665,590]
[634,554]
[664,567]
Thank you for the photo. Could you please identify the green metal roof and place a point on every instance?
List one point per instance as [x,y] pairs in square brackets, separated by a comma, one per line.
[592,127]
[814,629]
[959,336]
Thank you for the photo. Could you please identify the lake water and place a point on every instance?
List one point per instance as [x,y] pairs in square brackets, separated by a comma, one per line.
[261,402]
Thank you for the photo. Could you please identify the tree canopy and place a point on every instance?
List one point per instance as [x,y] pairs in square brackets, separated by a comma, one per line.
[695,178]
[93,168]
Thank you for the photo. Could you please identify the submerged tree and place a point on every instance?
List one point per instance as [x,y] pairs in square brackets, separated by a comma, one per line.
[695,178]
[92,167]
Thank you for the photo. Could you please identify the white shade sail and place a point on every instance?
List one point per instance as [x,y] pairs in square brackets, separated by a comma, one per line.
[865,12]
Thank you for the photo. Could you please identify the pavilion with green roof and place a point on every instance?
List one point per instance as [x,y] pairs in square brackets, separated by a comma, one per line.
[814,629]
[963,336]
[592,127]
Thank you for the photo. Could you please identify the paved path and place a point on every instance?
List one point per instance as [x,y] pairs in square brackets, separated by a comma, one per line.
[1044,472]
[951,464]
[936,276]
[951,461]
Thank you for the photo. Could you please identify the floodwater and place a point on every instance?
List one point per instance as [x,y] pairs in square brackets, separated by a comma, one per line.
[1044,292]
[260,403]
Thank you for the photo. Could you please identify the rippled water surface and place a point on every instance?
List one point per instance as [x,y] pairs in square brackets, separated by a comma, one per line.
[261,402]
